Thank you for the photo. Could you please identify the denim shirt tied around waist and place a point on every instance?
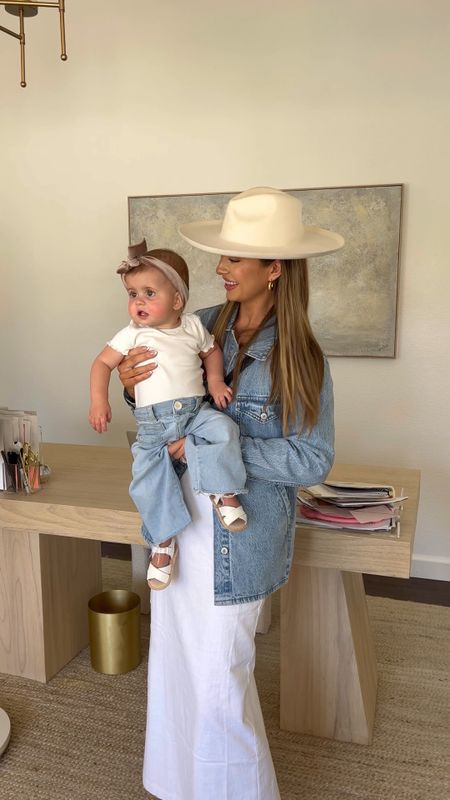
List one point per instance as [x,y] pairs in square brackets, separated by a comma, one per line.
[253,564]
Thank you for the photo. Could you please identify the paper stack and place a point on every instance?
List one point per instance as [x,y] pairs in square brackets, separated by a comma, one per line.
[350,506]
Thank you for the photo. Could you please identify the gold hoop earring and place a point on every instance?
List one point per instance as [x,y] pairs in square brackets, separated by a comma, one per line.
[270,286]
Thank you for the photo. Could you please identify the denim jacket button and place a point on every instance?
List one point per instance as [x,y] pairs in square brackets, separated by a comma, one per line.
[263,415]
[224,551]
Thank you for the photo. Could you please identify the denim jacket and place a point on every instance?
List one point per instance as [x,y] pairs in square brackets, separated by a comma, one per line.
[253,564]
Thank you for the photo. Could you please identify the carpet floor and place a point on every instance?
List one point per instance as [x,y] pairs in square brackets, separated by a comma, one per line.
[81,736]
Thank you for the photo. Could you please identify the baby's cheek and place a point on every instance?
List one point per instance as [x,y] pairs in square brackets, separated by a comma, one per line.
[158,308]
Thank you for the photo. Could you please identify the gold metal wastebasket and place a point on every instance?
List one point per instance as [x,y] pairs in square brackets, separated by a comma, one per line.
[114,631]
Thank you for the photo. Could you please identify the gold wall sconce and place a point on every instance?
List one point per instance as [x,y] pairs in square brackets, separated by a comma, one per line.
[29,8]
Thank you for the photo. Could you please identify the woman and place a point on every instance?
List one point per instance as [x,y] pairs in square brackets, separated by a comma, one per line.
[205,732]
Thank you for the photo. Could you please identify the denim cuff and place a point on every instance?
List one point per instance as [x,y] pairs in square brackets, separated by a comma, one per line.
[130,401]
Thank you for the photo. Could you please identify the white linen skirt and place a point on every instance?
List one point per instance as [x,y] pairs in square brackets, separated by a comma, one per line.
[205,736]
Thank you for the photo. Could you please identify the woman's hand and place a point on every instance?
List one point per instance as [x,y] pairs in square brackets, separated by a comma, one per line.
[131,369]
[176,449]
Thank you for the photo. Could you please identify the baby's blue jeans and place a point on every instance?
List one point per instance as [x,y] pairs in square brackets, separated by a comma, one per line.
[213,456]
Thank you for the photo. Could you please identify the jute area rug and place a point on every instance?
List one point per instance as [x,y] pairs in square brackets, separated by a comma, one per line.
[81,736]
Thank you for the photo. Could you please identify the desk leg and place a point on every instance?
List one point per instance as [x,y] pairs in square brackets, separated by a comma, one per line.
[45,584]
[327,659]
[139,563]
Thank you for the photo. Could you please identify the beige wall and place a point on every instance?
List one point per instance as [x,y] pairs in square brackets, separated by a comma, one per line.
[207,96]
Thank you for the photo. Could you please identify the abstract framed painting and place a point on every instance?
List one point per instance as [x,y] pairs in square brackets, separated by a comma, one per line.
[353,292]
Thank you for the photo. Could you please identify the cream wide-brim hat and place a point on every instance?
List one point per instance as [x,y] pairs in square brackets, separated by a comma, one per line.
[262,223]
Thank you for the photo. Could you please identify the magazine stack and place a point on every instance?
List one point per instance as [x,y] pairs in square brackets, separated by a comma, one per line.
[357,507]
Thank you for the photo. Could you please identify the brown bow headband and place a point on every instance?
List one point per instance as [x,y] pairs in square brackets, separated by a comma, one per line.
[137,258]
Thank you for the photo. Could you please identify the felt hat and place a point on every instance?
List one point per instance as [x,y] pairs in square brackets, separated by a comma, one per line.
[262,223]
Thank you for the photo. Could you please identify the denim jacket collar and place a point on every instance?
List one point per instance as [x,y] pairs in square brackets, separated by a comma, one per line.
[261,347]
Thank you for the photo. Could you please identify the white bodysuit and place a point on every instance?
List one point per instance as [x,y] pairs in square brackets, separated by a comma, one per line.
[179,372]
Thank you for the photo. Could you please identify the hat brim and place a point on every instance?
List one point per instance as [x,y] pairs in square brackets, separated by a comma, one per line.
[314,242]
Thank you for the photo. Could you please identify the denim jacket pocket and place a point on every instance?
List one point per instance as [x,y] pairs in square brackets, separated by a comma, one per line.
[258,417]
[285,498]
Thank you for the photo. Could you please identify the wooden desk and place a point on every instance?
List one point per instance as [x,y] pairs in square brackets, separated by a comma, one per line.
[50,561]
[328,666]
[50,567]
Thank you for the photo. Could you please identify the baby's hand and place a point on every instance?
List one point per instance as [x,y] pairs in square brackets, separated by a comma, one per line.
[221,393]
[99,415]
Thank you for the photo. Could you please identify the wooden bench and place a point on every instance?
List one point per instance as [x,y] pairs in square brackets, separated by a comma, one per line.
[50,566]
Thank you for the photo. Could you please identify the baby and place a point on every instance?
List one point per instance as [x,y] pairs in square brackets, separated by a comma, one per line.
[170,404]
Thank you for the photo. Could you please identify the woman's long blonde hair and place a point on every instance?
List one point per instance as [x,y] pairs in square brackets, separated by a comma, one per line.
[297,362]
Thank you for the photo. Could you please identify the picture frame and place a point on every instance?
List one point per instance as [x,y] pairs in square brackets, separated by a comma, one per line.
[353,292]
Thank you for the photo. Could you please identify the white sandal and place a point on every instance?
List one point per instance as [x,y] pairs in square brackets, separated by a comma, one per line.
[232,518]
[160,577]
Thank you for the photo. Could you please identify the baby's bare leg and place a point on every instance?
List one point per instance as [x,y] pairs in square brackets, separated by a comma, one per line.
[231,500]
[161,559]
